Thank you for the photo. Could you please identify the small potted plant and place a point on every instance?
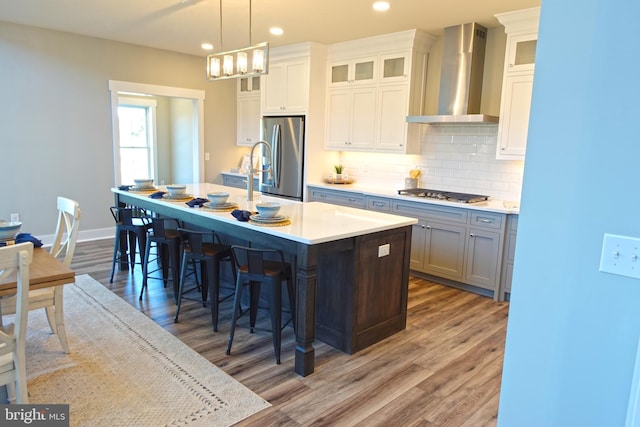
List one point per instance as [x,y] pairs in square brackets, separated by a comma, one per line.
[338,169]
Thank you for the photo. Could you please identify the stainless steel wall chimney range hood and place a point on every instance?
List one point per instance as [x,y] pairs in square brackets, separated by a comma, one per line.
[461,78]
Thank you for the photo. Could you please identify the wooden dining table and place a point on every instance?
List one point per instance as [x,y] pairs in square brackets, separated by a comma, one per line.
[45,270]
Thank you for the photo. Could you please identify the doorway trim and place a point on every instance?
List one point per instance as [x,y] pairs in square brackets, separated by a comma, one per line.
[117,88]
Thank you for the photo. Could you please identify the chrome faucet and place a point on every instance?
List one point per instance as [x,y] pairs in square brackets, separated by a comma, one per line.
[251,171]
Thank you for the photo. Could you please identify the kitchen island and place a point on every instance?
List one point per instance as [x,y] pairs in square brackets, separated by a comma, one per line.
[351,266]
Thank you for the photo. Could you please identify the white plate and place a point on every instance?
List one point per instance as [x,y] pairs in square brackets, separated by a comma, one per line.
[177,196]
[225,205]
[143,189]
[268,219]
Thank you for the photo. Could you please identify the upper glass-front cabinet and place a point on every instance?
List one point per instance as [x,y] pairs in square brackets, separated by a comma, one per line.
[522,52]
[394,67]
[360,71]
[249,84]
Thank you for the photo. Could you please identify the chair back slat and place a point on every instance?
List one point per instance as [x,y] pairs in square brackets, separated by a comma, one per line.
[67,229]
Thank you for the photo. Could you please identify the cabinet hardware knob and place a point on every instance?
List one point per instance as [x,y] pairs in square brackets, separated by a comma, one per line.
[472,235]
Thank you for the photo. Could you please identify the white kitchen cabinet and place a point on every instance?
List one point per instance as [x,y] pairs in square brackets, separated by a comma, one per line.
[248,111]
[514,116]
[521,28]
[351,117]
[249,86]
[394,67]
[286,87]
[391,114]
[360,71]
[391,83]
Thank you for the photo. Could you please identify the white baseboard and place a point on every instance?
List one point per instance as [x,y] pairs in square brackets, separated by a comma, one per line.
[84,236]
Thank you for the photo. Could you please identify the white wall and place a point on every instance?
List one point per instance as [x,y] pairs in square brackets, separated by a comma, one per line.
[573,331]
[55,119]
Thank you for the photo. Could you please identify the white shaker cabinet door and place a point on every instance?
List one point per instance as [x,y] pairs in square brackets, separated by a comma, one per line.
[514,116]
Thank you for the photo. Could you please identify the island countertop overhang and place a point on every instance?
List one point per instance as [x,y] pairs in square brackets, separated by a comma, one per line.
[310,222]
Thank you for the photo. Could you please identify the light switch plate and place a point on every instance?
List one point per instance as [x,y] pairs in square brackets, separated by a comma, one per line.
[620,255]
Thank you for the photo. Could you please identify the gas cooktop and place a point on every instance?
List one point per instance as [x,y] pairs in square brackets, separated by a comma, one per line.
[443,195]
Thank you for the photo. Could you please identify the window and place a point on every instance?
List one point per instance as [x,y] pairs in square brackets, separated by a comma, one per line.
[136,119]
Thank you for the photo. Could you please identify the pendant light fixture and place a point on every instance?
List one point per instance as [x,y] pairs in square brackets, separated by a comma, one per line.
[249,61]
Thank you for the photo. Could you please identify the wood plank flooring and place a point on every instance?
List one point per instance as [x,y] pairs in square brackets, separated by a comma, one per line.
[443,370]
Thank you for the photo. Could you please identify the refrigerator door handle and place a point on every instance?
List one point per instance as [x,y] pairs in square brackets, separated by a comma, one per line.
[277,155]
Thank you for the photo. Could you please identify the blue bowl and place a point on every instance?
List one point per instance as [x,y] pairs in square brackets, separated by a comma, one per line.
[8,230]
[268,209]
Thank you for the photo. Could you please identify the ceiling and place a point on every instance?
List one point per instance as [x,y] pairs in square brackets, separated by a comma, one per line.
[183,25]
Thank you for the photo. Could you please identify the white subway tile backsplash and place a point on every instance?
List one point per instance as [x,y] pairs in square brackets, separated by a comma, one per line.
[455,158]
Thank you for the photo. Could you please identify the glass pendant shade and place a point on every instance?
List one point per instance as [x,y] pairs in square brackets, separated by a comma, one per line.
[235,63]
[241,64]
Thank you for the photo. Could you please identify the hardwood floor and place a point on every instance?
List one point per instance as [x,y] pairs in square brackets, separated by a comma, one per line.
[443,370]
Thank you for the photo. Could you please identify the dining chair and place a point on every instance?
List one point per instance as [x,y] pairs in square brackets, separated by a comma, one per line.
[15,259]
[206,249]
[254,267]
[63,248]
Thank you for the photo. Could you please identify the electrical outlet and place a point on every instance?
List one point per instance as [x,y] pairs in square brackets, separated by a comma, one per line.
[206,156]
[15,217]
[383,250]
[620,255]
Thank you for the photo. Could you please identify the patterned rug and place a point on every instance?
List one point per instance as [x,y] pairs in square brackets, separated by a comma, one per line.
[124,370]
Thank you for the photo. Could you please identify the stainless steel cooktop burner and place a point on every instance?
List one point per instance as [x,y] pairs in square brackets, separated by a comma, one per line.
[444,195]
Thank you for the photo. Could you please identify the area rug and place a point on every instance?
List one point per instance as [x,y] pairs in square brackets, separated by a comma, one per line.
[125,370]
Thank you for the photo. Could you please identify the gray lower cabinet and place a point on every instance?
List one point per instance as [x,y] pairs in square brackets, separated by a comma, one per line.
[456,243]
[509,256]
[343,198]
[459,244]
[237,181]
[378,204]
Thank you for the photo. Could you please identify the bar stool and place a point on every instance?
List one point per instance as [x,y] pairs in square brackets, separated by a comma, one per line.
[131,226]
[163,233]
[253,269]
[203,248]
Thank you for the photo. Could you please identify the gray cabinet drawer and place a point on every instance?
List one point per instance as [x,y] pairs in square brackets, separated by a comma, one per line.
[238,181]
[378,204]
[429,211]
[342,198]
[487,219]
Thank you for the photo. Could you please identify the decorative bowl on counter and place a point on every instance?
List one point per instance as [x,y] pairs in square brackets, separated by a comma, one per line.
[143,183]
[9,229]
[268,209]
[176,189]
[218,197]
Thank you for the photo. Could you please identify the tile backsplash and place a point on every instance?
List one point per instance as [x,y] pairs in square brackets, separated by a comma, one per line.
[453,158]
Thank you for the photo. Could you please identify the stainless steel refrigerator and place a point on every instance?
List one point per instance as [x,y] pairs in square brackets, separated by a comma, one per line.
[285,135]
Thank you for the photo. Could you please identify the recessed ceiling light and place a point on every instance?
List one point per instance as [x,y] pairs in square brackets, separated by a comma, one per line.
[381,6]
[207,46]
[276,31]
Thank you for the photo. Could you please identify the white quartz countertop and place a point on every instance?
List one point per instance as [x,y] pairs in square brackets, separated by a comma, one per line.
[491,205]
[310,223]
